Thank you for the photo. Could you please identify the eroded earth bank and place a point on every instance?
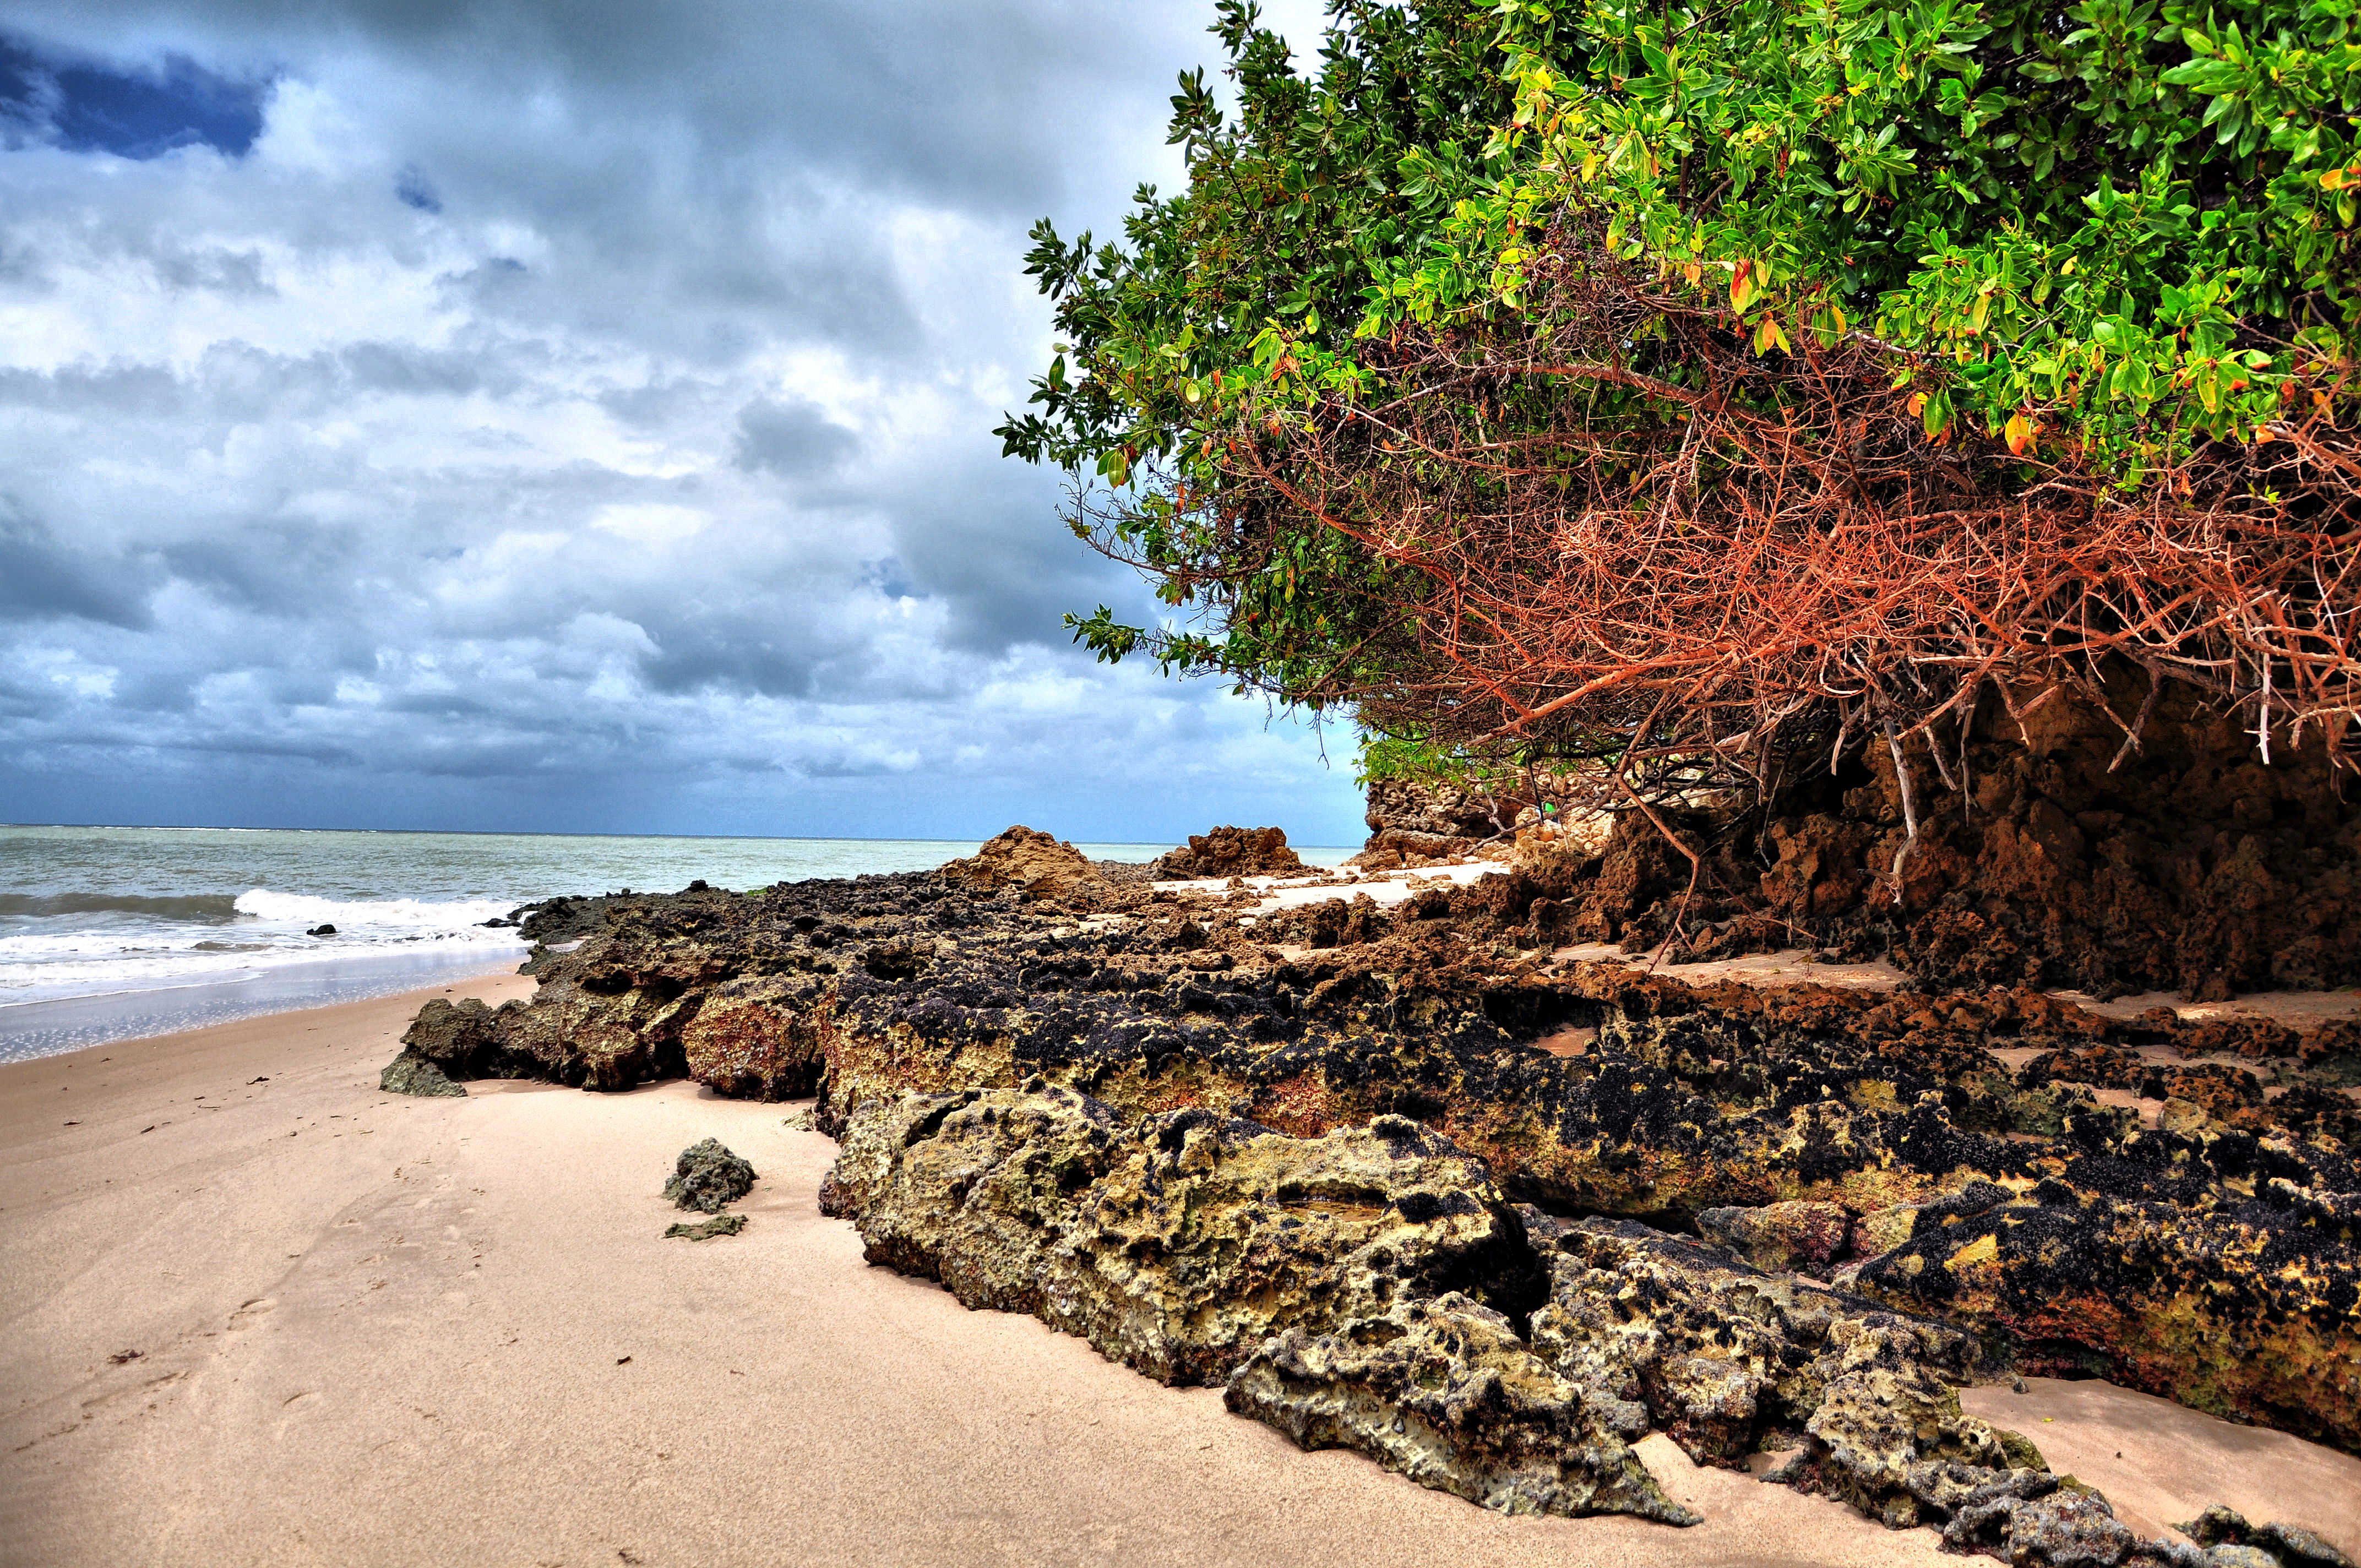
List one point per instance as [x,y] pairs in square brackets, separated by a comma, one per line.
[1410,1175]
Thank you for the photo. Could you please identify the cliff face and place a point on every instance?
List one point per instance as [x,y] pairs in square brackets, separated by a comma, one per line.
[1875,1142]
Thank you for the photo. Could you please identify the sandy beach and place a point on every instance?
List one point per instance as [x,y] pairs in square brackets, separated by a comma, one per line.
[259,1312]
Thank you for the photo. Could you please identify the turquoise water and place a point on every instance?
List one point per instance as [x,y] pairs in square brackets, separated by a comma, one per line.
[110,932]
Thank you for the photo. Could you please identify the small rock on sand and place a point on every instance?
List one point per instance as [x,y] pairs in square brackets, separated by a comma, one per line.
[706,1230]
[707,1176]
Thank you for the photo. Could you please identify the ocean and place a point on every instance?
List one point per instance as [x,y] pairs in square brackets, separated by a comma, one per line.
[112,933]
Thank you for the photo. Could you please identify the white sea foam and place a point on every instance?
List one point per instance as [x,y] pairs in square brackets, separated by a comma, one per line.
[130,950]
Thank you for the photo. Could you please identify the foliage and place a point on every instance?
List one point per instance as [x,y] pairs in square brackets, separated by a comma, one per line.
[2097,251]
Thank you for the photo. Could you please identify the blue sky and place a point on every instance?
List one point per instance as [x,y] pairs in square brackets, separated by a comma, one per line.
[575,416]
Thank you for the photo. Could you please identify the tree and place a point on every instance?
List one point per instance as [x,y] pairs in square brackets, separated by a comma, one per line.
[1691,388]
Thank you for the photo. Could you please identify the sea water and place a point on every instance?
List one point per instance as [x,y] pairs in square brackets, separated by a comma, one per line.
[107,933]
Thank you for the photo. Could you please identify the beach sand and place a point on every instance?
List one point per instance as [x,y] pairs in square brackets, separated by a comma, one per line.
[301,1322]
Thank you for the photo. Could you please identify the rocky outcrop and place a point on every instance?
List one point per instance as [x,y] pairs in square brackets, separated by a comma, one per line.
[1231,852]
[2275,1545]
[1353,1290]
[2048,854]
[1728,1362]
[1030,861]
[1415,824]
[2206,1254]
[709,1177]
[1372,1290]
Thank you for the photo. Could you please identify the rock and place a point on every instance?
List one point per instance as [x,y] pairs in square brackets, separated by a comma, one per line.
[2226,1532]
[2217,1267]
[707,1176]
[2240,1557]
[1201,1249]
[2068,1529]
[411,1073]
[759,1038]
[1228,853]
[1413,823]
[706,1230]
[1796,1238]
[1031,861]
[1445,1392]
[1657,1331]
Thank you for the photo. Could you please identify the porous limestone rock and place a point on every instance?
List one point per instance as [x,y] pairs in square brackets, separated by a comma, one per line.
[706,1230]
[1228,853]
[1795,1237]
[759,1038]
[1446,1392]
[706,1175]
[411,1073]
[1728,1362]
[1203,1249]
[1685,1098]
[2224,1530]
[1031,861]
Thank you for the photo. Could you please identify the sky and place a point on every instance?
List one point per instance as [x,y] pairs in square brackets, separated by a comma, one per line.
[575,416]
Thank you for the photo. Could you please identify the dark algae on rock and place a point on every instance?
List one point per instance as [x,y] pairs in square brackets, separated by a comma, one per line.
[1335,1160]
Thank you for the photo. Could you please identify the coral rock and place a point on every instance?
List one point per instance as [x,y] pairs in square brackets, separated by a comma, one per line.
[411,1073]
[1031,861]
[707,1176]
[1231,852]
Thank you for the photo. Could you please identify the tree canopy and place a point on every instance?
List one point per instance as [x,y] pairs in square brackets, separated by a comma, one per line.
[1560,376]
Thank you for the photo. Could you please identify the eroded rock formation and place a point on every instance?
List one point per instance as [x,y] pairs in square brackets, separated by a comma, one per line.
[1228,853]
[1859,1155]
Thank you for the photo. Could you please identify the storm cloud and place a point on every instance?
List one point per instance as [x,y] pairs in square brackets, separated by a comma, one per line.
[575,416]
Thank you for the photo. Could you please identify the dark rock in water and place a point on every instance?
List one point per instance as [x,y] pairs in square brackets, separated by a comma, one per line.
[1228,853]
[706,1230]
[707,1176]
[321,931]
[411,1073]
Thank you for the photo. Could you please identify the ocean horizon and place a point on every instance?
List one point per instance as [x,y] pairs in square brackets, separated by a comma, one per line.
[111,933]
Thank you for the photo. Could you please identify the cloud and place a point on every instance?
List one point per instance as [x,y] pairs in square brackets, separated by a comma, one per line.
[790,439]
[575,416]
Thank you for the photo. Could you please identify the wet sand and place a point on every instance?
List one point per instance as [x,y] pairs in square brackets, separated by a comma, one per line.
[323,1324]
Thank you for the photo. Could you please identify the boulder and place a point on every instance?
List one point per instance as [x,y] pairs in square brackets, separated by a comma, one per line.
[1030,861]
[707,1176]
[1657,1331]
[1231,852]
[759,1038]
[411,1073]
[1413,823]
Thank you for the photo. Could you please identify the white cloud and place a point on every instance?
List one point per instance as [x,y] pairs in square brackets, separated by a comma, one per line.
[647,483]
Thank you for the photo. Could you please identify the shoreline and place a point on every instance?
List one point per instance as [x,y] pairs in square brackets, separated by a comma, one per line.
[35,1030]
[377,1330]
